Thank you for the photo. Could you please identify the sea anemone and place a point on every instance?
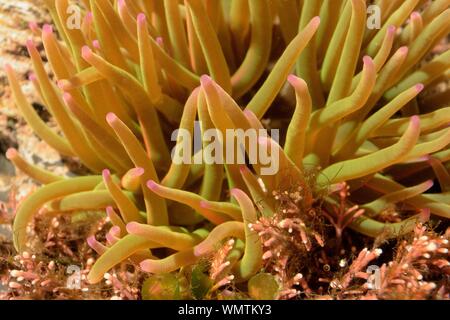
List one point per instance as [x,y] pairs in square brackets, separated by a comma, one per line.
[363,116]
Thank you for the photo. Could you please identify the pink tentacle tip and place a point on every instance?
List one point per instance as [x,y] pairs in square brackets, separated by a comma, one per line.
[7,67]
[296,81]
[110,238]
[424,215]
[89,16]
[205,79]
[145,265]
[419,87]
[424,158]
[47,29]
[137,172]
[115,231]
[121,4]
[391,29]
[415,15]
[60,84]
[132,227]
[204,204]
[33,26]
[243,169]
[248,112]
[86,52]
[106,174]
[91,241]
[316,21]
[152,185]
[30,45]
[11,153]
[403,50]
[67,97]
[235,192]
[111,117]
[141,18]
[415,121]
[368,60]
[160,41]
[32,77]
[199,251]
[109,210]
[96,44]
[292,79]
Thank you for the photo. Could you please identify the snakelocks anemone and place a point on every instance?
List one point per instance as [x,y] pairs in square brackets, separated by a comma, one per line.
[363,121]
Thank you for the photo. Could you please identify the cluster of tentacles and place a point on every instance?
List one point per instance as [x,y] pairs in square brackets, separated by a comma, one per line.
[136,70]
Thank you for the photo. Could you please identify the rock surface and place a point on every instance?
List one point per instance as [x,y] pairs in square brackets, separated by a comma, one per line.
[15,17]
